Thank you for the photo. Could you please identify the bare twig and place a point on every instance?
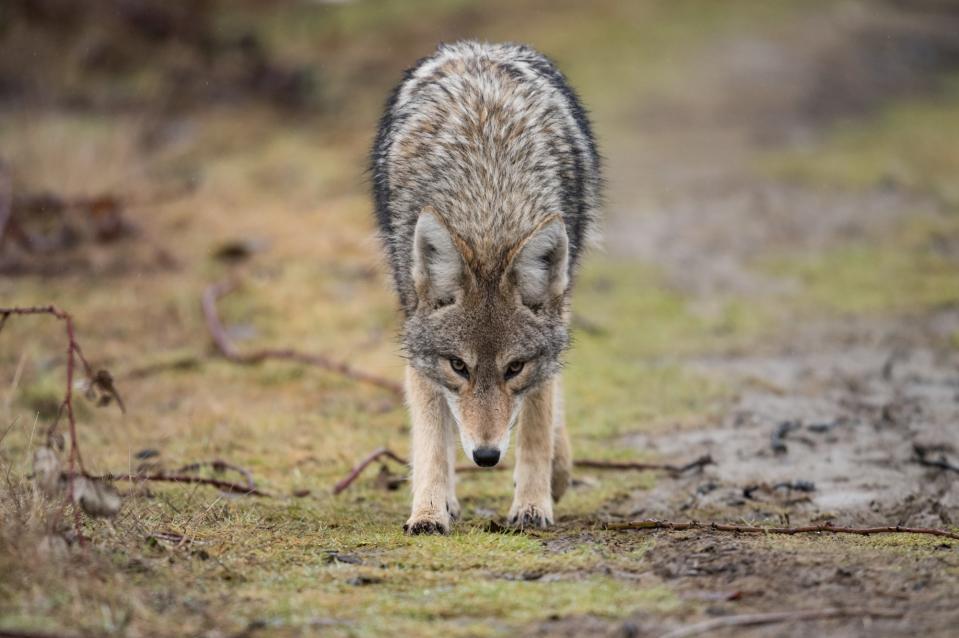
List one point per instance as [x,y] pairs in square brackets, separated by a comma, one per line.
[229,350]
[346,481]
[825,528]
[74,353]
[666,467]
[675,470]
[751,620]
[223,486]
[219,466]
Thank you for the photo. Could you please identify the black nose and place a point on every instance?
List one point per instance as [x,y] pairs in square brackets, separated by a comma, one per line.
[486,456]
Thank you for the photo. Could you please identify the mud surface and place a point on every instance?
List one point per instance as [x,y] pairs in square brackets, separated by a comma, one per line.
[829,426]
[829,421]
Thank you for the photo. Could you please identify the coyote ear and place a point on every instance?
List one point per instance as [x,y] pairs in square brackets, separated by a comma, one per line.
[437,265]
[542,266]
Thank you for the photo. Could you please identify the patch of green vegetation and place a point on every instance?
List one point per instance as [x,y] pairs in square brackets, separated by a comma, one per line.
[625,374]
[43,397]
[912,144]
[899,273]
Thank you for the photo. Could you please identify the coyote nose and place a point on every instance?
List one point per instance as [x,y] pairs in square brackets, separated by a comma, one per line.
[486,456]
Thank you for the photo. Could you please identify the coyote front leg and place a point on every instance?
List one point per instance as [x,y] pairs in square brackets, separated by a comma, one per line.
[432,430]
[532,502]
[562,451]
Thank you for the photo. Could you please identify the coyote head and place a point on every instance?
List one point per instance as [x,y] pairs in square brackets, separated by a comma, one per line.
[487,328]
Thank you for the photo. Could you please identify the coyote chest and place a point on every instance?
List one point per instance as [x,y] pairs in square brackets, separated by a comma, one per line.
[486,187]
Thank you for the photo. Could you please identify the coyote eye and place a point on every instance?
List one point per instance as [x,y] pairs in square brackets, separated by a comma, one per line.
[513,369]
[459,367]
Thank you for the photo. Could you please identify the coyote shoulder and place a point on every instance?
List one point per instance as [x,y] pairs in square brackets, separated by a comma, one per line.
[486,185]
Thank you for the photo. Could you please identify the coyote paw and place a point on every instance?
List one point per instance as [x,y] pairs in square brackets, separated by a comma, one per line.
[453,508]
[529,516]
[426,524]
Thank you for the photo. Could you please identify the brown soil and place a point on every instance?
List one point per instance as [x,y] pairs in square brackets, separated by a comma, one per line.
[828,420]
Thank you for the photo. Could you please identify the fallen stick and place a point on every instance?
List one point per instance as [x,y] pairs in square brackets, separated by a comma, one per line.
[228,349]
[667,467]
[675,470]
[219,466]
[757,529]
[752,620]
[347,480]
[224,486]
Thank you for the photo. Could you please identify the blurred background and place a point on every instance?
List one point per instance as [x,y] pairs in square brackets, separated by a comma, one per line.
[781,246]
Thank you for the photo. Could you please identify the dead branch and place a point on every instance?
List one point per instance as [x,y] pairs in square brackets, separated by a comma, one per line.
[228,349]
[752,620]
[66,406]
[346,481]
[825,528]
[219,467]
[674,470]
[223,486]
[666,467]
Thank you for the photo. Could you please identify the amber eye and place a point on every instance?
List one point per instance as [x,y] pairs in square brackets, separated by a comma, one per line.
[513,369]
[459,367]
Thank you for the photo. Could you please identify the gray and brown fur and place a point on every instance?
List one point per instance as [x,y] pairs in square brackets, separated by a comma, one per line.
[487,186]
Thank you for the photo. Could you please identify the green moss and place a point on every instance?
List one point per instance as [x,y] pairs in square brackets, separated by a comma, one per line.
[44,396]
[628,375]
[899,273]
[523,601]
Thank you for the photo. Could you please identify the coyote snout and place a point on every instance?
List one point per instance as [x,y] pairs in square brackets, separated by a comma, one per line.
[486,181]
[485,415]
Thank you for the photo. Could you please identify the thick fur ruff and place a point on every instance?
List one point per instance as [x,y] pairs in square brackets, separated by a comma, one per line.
[491,137]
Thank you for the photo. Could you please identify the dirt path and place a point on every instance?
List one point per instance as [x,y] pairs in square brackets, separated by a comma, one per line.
[828,420]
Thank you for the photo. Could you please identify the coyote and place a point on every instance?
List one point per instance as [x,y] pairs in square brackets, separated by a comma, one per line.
[486,185]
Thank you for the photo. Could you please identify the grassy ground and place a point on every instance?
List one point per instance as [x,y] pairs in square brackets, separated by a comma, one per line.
[293,184]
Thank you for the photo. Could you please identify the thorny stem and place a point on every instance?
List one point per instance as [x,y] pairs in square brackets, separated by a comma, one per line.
[73,349]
